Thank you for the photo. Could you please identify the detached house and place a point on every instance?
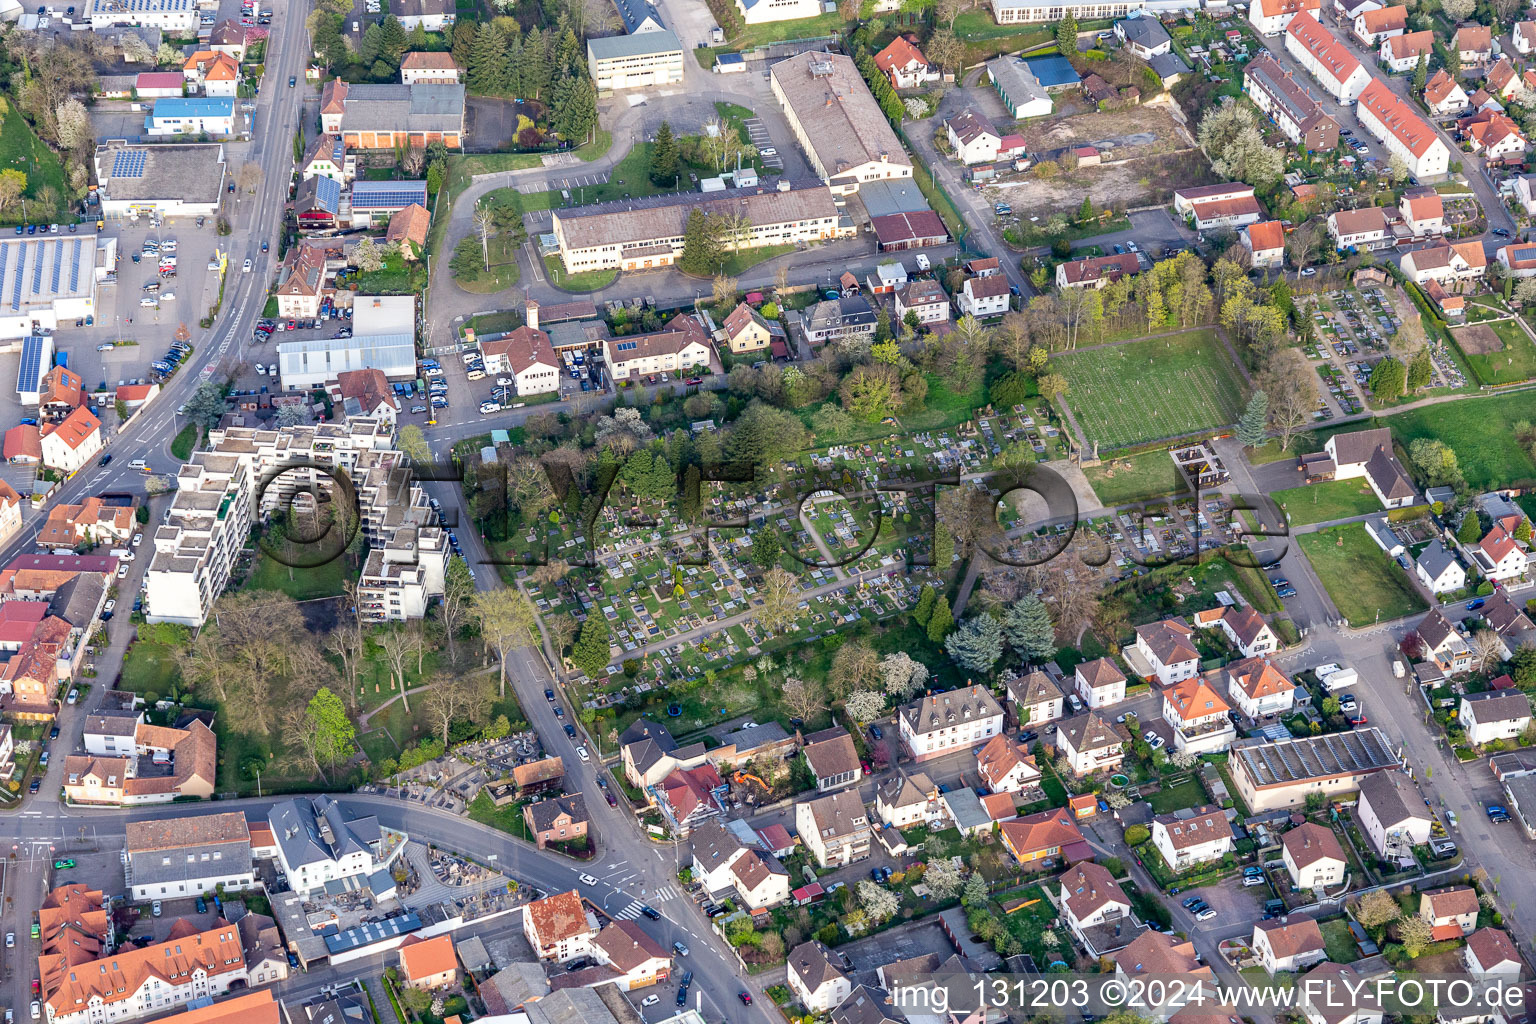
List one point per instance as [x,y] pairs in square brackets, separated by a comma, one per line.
[1258,688]
[1195,837]
[1091,743]
[976,141]
[1423,212]
[562,819]
[1368,453]
[1313,856]
[904,64]
[1524,37]
[924,297]
[832,758]
[905,800]
[1494,715]
[1517,260]
[1493,134]
[1207,207]
[1365,228]
[942,723]
[1402,52]
[1503,81]
[1090,897]
[815,976]
[1444,95]
[1371,27]
[1499,556]
[559,927]
[428,963]
[1451,911]
[1490,951]
[639,960]
[689,796]
[1005,766]
[1144,36]
[1265,242]
[1099,683]
[650,753]
[746,330]
[1198,716]
[1293,944]
[1037,839]
[1443,645]
[1334,993]
[834,828]
[1475,44]
[1392,814]
[1034,699]
[1439,569]
[1168,650]
[1096,271]
[983,297]
[70,444]
[1243,626]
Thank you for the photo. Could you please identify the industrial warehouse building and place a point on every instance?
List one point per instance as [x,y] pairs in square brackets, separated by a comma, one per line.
[171,180]
[837,122]
[46,281]
[635,62]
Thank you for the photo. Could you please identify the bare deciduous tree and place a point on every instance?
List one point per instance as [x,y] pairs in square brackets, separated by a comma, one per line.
[398,644]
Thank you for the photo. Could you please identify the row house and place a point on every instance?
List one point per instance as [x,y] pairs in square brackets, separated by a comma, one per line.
[1272,17]
[1327,58]
[1448,263]
[1404,133]
[1289,103]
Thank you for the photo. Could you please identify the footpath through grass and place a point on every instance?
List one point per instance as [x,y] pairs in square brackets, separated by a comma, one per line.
[1320,503]
[1365,585]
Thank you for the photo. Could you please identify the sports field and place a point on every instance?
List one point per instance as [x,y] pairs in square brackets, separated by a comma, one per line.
[1161,387]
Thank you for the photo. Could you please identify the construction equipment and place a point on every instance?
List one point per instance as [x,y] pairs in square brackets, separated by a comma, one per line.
[741,777]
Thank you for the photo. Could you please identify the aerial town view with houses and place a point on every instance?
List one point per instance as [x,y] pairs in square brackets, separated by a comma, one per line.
[767,512]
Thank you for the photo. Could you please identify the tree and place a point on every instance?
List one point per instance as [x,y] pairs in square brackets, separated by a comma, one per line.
[923,610]
[974,893]
[73,125]
[1252,428]
[781,599]
[976,645]
[1420,74]
[855,666]
[463,698]
[1471,529]
[701,252]
[590,654]
[766,549]
[1377,909]
[167,55]
[507,621]
[1388,379]
[1436,460]
[1421,370]
[944,49]
[941,622]
[725,293]
[334,732]
[1230,135]
[1066,34]
[1051,385]
[878,903]
[398,644]
[664,156]
[1028,628]
[1415,933]
[1487,650]
[13,185]
[802,699]
[865,705]
[1458,10]
[1135,835]
[943,879]
[902,675]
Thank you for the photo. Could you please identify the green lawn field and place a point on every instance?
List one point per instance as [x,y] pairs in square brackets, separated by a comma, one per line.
[1152,475]
[1515,362]
[1161,387]
[1480,430]
[1365,585]
[1319,503]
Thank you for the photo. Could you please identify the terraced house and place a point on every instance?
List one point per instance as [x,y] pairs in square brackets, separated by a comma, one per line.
[1290,105]
[172,858]
[1327,58]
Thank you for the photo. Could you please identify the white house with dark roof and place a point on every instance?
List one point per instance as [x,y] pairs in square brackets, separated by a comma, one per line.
[1438,568]
[319,841]
[1034,699]
[1490,951]
[1169,650]
[1368,453]
[1392,814]
[1091,743]
[815,976]
[1494,715]
[904,800]
[1196,836]
[173,858]
[834,828]
[1099,683]
[1443,644]
[942,723]
[1144,36]
[1004,766]
[1313,856]
[1243,626]
[832,758]
[1089,896]
[1288,944]
[983,297]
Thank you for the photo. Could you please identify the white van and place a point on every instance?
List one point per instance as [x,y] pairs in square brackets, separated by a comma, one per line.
[475,375]
[139,464]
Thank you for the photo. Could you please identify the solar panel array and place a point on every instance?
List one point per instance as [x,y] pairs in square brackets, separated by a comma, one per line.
[128,163]
[74,267]
[1316,757]
[21,268]
[31,364]
[328,193]
[388,194]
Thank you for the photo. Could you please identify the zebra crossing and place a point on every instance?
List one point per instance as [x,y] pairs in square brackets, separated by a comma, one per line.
[636,908]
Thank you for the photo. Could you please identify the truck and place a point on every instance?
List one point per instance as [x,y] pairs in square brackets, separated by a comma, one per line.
[1335,678]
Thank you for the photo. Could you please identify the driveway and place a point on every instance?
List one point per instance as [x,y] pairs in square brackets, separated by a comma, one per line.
[1151,230]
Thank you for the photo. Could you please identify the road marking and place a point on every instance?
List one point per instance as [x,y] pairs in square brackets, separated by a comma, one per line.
[630,912]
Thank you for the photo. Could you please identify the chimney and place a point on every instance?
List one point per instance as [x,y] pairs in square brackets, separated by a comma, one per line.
[531,313]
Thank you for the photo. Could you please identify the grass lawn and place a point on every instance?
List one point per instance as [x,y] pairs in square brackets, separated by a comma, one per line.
[461,169]
[590,281]
[23,151]
[184,441]
[1480,430]
[397,277]
[1515,362]
[735,115]
[1319,503]
[1152,475]
[1186,794]
[503,272]
[738,262]
[1339,942]
[799,28]
[508,819]
[1363,582]
[939,200]
[1270,451]
[301,584]
[1161,387]
[150,668]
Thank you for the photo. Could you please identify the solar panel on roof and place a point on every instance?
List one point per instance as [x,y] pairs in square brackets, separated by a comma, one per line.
[58,266]
[21,268]
[74,267]
[31,369]
[37,265]
[397,195]
[128,163]
[328,193]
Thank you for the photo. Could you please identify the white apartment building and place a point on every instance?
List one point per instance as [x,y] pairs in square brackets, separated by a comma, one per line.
[945,722]
[172,858]
[172,17]
[1194,838]
[195,546]
[1327,59]
[816,977]
[1271,17]
[559,927]
[73,443]
[319,841]
[1169,650]
[1404,133]
[399,580]
[1198,716]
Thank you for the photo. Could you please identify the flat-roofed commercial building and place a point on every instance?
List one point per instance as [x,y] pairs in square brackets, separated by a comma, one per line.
[173,17]
[171,180]
[642,233]
[837,121]
[1273,776]
[48,281]
[1011,12]
[635,62]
